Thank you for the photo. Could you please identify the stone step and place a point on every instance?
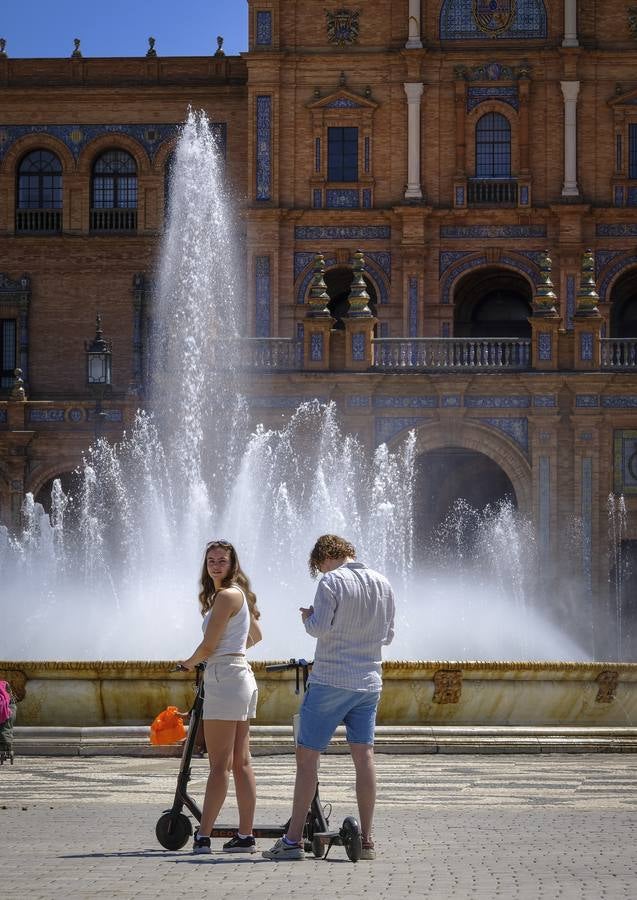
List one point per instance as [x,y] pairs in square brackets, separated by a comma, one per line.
[133,740]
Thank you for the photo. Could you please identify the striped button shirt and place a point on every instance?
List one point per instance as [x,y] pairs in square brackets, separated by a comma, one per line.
[353,618]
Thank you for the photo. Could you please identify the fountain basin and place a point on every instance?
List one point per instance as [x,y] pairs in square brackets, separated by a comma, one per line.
[127,693]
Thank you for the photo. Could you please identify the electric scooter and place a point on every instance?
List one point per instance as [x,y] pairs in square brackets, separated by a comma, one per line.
[174,828]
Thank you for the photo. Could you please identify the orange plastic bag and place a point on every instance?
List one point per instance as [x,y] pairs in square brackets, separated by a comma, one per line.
[168,727]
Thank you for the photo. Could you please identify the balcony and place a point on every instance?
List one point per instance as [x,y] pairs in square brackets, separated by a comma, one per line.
[492,192]
[113,220]
[619,353]
[451,354]
[38,221]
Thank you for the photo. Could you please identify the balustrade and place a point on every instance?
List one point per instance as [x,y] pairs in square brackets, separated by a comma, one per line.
[110,220]
[619,353]
[38,221]
[278,354]
[491,192]
[451,353]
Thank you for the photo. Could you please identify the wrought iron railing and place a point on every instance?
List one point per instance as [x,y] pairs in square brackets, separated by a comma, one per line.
[441,354]
[491,192]
[618,353]
[38,221]
[110,220]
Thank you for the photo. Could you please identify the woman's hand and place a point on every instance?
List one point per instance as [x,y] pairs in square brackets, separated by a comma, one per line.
[187,664]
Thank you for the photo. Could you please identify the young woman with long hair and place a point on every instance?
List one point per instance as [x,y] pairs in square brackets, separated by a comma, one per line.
[230,625]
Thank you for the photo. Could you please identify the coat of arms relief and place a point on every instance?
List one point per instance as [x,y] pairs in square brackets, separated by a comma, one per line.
[342,26]
[494,17]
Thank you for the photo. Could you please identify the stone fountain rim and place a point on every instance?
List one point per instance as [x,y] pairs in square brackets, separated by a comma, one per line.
[389,666]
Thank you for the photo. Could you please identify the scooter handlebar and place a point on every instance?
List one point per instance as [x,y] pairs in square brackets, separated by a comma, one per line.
[292,664]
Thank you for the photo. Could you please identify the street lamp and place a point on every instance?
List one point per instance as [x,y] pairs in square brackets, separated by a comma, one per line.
[98,370]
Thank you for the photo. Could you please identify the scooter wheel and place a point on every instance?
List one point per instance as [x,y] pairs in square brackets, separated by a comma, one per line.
[318,848]
[351,838]
[173,830]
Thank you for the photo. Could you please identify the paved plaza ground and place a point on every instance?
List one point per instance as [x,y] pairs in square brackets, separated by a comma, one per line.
[543,826]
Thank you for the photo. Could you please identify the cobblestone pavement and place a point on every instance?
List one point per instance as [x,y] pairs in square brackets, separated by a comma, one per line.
[561,826]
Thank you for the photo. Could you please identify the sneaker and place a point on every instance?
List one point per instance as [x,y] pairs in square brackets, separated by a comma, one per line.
[281,850]
[241,845]
[368,851]
[201,844]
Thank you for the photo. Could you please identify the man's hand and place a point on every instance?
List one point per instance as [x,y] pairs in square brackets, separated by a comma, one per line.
[306,612]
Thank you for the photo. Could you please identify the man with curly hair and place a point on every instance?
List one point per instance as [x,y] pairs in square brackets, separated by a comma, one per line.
[352,618]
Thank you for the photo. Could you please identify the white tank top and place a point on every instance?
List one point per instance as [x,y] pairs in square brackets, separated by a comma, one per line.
[235,635]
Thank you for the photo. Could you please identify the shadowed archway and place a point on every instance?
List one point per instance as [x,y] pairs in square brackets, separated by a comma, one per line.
[623,317]
[449,474]
[492,303]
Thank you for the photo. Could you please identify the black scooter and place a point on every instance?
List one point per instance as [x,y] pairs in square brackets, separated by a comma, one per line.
[174,828]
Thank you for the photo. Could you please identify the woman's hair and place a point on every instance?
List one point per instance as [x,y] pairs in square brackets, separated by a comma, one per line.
[329,546]
[234,576]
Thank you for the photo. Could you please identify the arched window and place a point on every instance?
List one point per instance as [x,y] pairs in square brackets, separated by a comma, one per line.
[39,194]
[114,192]
[493,147]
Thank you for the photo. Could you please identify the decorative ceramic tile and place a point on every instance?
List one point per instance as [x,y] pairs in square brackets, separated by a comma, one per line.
[342,198]
[382,260]
[447,258]
[473,401]
[307,278]
[625,462]
[367,198]
[264,148]
[586,346]
[626,260]
[358,401]
[515,263]
[317,198]
[544,401]
[456,270]
[516,429]
[358,346]
[479,232]
[586,401]
[619,402]
[387,427]
[342,232]
[413,306]
[545,345]
[384,401]
[317,154]
[524,195]
[3,416]
[618,196]
[587,518]
[570,301]
[262,296]
[486,20]
[619,229]
[45,415]
[77,137]
[316,347]
[264,28]
[507,94]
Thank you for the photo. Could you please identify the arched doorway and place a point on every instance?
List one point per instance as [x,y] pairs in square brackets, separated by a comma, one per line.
[448,475]
[492,303]
[623,317]
[339,284]
[70,483]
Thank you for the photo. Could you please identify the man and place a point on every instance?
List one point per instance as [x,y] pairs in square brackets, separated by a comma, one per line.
[352,618]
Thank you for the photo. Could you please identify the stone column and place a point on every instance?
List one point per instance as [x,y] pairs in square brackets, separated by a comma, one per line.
[570,90]
[414,42]
[570,24]
[413,89]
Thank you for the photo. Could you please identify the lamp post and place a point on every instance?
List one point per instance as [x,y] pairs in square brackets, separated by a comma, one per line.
[98,371]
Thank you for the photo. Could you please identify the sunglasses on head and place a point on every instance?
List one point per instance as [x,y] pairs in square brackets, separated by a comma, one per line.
[218,543]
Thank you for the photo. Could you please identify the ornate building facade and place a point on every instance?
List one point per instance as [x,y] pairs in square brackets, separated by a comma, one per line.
[481,156]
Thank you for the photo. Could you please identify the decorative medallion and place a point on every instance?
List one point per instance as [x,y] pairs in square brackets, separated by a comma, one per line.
[493,16]
[343,26]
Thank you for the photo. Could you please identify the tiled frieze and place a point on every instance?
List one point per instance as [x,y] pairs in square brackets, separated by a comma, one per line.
[413,306]
[473,401]
[262,296]
[544,401]
[387,427]
[570,301]
[481,232]
[342,232]
[616,229]
[488,20]
[586,401]
[505,93]
[383,401]
[263,30]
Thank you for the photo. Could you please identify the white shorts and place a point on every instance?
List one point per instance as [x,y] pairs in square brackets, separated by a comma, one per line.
[230,690]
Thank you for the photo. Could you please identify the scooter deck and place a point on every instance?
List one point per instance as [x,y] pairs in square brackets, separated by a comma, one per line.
[259,831]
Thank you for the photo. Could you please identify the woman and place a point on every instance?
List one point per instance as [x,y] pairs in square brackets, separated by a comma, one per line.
[230,625]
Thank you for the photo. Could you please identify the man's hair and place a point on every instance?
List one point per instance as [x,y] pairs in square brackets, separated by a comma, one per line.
[329,546]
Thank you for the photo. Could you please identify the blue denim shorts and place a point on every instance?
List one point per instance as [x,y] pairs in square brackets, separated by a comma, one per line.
[325,707]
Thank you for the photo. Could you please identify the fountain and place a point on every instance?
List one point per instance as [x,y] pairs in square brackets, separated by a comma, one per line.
[111,572]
